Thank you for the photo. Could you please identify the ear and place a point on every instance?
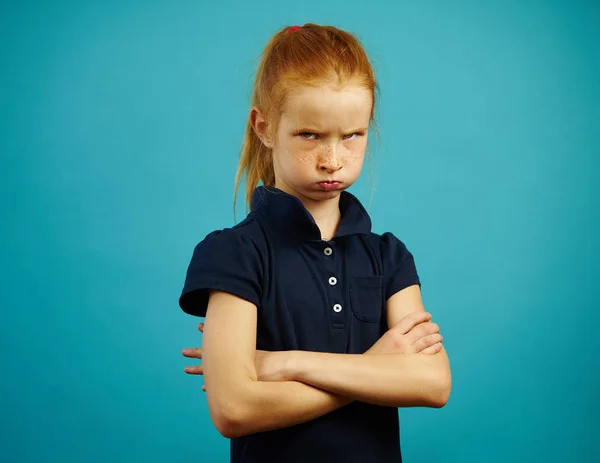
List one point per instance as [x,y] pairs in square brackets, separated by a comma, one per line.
[260,126]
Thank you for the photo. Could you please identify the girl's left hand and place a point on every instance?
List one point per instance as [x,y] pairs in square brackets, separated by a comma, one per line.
[270,366]
[194,353]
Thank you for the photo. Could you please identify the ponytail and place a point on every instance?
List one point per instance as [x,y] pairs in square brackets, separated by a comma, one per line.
[256,162]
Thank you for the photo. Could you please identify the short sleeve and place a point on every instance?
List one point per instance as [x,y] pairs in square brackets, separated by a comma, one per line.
[225,261]
[399,270]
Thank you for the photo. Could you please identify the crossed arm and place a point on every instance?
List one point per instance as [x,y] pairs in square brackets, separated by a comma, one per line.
[288,388]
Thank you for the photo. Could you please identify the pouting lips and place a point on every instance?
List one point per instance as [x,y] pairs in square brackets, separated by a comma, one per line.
[329,185]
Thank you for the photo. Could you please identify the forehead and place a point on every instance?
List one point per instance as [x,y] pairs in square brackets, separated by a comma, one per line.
[326,106]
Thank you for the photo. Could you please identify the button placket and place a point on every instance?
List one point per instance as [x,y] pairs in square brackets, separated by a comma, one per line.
[332,267]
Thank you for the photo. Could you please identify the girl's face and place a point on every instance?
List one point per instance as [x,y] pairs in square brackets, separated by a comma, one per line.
[320,144]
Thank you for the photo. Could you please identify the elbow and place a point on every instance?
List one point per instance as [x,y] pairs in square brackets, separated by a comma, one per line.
[230,415]
[440,389]
[229,426]
[229,422]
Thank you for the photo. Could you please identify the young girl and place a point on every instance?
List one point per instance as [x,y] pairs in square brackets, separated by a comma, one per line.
[315,332]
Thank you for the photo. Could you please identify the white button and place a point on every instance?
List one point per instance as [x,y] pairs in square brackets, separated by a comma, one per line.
[337,308]
[328,251]
[332,281]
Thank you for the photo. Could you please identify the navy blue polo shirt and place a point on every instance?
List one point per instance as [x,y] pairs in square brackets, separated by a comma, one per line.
[313,295]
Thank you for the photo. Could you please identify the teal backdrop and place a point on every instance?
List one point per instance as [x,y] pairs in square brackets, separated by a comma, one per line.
[120,130]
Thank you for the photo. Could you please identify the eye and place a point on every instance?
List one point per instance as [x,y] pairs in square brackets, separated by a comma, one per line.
[352,136]
[308,135]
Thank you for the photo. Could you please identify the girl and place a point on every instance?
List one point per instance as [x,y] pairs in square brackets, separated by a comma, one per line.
[315,332]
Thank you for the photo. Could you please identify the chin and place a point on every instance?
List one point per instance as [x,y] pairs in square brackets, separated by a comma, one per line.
[319,195]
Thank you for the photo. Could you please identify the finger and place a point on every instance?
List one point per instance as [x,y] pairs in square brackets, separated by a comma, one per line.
[411,320]
[204,388]
[433,349]
[427,341]
[201,327]
[195,353]
[422,330]
[194,370]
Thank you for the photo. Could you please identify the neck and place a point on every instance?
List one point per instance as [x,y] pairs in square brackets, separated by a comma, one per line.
[326,214]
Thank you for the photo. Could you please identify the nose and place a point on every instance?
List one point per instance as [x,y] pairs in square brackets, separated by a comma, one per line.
[330,160]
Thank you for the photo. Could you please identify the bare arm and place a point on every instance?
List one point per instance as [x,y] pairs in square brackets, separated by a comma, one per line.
[409,301]
[398,380]
[239,404]
[394,380]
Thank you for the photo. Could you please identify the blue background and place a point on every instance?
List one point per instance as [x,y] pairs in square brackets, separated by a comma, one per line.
[120,130]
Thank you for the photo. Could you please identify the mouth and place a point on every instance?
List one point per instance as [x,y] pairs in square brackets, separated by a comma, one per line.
[329,185]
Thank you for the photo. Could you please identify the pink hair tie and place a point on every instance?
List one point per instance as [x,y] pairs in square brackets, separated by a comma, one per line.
[294,29]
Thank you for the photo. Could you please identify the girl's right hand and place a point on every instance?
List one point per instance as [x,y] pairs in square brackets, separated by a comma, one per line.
[413,334]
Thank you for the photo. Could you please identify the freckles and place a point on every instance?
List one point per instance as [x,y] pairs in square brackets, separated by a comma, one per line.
[297,156]
[355,157]
[304,158]
[327,151]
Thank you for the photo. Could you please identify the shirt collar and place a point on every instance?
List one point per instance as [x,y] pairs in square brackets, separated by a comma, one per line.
[286,213]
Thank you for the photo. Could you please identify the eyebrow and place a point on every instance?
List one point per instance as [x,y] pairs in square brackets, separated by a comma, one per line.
[313,130]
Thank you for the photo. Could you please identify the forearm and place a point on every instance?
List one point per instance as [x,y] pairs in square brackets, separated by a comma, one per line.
[396,380]
[263,406]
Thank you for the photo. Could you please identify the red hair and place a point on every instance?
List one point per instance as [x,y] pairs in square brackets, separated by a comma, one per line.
[311,55]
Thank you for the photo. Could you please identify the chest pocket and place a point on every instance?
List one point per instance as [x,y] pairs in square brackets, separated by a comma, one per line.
[366,298]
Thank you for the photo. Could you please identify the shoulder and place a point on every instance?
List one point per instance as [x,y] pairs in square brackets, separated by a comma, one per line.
[246,235]
[229,260]
[399,270]
[390,246]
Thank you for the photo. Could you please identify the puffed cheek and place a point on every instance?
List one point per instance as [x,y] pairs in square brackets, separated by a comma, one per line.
[304,158]
[354,156]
